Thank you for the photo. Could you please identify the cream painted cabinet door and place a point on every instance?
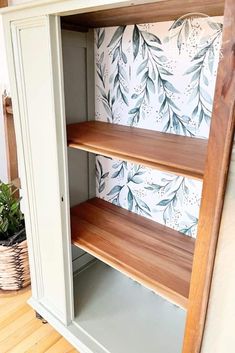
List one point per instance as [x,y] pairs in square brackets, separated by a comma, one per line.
[37,88]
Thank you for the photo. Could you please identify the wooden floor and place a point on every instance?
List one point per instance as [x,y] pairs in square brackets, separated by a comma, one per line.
[21,332]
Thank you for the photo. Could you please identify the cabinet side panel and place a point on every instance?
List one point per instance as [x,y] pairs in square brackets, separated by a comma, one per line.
[37,128]
[78,89]
[74,67]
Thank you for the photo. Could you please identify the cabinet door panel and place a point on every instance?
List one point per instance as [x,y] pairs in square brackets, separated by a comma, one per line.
[40,132]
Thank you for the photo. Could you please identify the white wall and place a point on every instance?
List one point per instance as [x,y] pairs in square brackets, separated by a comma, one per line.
[4,84]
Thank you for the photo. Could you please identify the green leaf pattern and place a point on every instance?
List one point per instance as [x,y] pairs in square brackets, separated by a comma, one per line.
[148,79]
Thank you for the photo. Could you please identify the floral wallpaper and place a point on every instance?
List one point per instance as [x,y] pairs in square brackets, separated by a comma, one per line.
[161,77]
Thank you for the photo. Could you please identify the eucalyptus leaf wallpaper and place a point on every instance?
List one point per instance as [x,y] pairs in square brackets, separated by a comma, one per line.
[161,77]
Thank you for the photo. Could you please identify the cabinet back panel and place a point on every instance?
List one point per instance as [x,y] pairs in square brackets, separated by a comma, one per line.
[157,76]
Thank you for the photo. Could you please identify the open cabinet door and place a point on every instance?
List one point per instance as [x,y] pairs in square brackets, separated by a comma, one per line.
[37,90]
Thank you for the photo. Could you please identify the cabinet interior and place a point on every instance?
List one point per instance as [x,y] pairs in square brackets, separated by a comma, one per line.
[129,270]
[124,316]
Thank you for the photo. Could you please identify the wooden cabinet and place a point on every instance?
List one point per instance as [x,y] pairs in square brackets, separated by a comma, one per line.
[119,293]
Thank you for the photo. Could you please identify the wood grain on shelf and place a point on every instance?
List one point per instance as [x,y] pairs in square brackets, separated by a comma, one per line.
[173,153]
[145,13]
[217,165]
[153,254]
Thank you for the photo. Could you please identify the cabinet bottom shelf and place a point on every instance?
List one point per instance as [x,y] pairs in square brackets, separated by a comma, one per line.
[122,316]
[154,255]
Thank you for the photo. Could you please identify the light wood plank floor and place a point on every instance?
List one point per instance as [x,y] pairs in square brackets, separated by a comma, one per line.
[21,332]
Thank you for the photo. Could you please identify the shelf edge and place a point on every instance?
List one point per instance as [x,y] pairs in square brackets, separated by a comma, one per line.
[159,289]
[150,164]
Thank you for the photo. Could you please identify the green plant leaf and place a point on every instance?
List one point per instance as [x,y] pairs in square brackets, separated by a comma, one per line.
[124,58]
[142,66]
[143,204]
[151,37]
[124,98]
[136,41]
[169,86]
[134,96]
[104,175]
[206,96]
[101,187]
[130,200]
[101,35]
[117,34]
[150,85]
[133,110]
[117,173]
[164,202]
[100,166]
[176,24]
[116,189]
[137,180]
[115,54]
[214,25]
[10,214]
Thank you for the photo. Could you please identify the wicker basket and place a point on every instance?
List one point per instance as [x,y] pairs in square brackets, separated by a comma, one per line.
[14,266]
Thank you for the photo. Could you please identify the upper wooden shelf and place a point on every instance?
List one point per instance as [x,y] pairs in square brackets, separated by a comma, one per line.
[173,153]
[154,255]
[164,10]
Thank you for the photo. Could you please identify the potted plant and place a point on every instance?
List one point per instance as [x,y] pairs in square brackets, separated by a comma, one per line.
[14,265]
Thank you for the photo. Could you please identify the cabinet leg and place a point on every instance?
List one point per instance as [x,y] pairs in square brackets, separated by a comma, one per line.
[39,317]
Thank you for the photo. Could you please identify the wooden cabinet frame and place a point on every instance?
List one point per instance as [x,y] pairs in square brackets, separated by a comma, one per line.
[218,156]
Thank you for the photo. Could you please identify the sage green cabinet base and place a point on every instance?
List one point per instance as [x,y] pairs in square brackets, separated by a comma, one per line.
[123,316]
[117,315]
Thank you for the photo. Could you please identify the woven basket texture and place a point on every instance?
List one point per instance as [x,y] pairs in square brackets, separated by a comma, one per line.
[14,266]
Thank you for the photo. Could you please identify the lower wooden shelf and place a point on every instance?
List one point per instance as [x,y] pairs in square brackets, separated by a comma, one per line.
[154,255]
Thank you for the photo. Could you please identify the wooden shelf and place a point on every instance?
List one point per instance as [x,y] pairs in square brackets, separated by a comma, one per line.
[166,10]
[172,153]
[156,256]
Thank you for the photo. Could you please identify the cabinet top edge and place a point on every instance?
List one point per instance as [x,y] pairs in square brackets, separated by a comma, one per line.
[64,8]
[35,8]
